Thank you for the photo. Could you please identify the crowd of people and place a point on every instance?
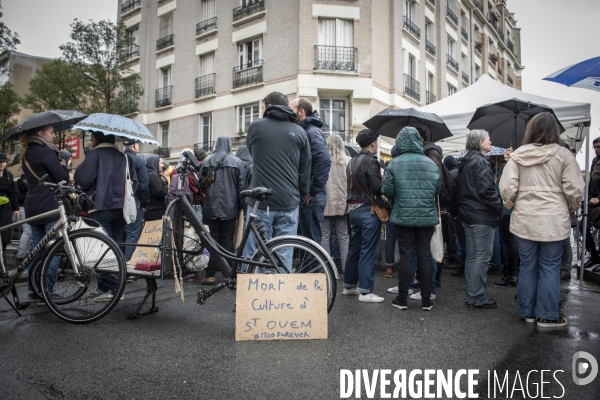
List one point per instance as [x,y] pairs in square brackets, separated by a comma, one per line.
[509,214]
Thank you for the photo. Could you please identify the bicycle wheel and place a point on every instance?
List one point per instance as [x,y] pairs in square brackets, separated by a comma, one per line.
[307,257]
[34,276]
[100,261]
[184,237]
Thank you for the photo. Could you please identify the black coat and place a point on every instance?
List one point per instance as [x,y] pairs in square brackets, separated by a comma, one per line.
[367,172]
[40,199]
[478,200]
[158,191]
[7,189]
[142,176]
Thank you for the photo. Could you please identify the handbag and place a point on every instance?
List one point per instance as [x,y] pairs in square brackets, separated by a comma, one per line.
[129,206]
[437,240]
[383,213]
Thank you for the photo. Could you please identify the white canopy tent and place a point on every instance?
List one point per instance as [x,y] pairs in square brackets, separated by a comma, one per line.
[458,109]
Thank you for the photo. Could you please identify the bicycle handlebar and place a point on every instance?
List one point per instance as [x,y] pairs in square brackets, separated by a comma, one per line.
[62,189]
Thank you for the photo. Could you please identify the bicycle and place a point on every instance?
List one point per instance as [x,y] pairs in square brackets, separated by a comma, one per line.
[284,254]
[66,263]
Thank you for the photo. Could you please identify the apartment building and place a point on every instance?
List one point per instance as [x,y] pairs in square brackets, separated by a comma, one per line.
[207,64]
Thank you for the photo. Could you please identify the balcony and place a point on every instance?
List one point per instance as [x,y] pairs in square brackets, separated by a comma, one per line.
[429,97]
[464,34]
[450,14]
[164,152]
[411,27]
[478,47]
[132,52]
[205,26]
[206,146]
[430,47]
[412,87]
[493,20]
[500,35]
[248,74]
[432,2]
[452,62]
[500,72]
[478,5]
[164,42]
[164,97]
[336,58]
[511,46]
[465,77]
[493,59]
[238,141]
[345,135]
[130,6]
[205,85]
[248,9]
[510,79]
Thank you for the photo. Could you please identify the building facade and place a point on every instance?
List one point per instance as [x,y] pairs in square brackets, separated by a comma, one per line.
[207,64]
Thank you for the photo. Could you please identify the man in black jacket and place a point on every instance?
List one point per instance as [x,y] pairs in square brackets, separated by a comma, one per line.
[281,162]
[364,181]
[133,230]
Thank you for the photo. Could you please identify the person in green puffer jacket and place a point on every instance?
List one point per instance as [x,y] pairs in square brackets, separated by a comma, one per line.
[412,181]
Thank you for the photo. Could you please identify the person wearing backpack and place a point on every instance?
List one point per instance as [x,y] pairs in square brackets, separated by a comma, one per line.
[221,176]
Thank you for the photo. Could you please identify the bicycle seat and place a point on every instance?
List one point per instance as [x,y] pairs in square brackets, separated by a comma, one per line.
[258,193]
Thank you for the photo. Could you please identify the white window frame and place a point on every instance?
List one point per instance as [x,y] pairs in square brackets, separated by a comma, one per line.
[410,10]
[243,59]
[451,48]
[206,64]
[241,115]
[161,77]
[429,31]
[330,111]
[208,9]
[164,29]
[201,128]
[451,90]
[163,132]
[341,31]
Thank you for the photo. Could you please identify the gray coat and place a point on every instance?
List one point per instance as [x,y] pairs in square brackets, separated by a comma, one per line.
[222,197]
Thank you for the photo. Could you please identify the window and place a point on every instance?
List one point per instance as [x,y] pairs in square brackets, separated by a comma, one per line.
[410,10]
[451,90]
[133,35]
[164,134]
[205,128]
[477,72]
[429,31]
[336,32]
[465,63]
[166,25]
[250,53]
[429,82]
[247,114]
[451,48]
[245,3]
[208,9]
[165,77]
[207,64]
[333,112]
[411,67]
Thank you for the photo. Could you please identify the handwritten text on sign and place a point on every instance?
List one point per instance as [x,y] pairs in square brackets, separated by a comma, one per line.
[152,235]
[281,307]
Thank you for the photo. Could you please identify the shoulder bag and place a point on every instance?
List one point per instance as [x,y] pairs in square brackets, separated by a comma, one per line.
[129,206]
[382,212]
[437,240]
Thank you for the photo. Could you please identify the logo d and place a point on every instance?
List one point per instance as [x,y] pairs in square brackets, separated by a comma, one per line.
[590,364]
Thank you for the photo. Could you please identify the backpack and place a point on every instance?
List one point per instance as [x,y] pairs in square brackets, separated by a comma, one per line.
[447,194]
[185,188]
[208,178]
[246,174]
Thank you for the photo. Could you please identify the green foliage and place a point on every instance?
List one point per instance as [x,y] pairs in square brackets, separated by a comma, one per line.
[9,107]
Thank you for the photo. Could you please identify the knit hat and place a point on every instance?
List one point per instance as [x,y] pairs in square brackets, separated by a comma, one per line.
[3,157]
[450,162]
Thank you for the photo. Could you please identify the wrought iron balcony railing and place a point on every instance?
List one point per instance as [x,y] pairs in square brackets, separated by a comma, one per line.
[510,79]
[412,27]
[432,2]
[206,146]
[248,9]
[430,47]
[164,96]
[206,26]
[493,59]
[248,74]
[164,152]
[430,97]
[164,42]
[238,141]
[500,35]
[500,72]
[493,21]
[478,5]
[345,135]
[205,85]
[465,77]
[511,46]
[412,87]
[452,62]
[451,15]
[133,52]
[130,5]
[336,57]
[464,33]
[478,47]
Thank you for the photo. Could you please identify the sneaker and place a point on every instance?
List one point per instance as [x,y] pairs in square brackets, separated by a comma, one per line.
[209,280]
[94,293]
[194,277]
[417,296]
[529,319]
[389,272]
[106,297]
[350,291]
[131,279]
[370,298]
[395,290]
[546,323]
[507,281]
[399,303]
[427,304]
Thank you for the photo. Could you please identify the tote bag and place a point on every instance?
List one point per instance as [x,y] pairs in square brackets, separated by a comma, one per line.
[129,207]
[437,240]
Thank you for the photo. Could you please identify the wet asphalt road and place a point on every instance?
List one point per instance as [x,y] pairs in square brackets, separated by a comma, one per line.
[189,352]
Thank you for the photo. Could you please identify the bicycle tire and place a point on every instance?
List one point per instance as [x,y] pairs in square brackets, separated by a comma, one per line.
[64,292]
[193,246]
[308,257]
[34,276]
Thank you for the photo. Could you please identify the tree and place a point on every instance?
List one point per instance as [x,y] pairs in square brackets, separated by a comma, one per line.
[9,107]
[8,40]
[99,52]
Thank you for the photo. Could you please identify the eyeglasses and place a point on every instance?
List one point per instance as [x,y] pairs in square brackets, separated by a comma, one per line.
[597,147]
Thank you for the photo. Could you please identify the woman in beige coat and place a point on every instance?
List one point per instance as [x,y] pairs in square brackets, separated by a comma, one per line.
[541,183]
[336,189]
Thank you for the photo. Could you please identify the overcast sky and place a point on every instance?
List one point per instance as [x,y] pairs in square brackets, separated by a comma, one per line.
[555,34]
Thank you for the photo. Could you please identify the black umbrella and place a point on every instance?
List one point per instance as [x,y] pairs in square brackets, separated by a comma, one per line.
[351,149]
[15,160]
[505,121]
[59,119]
[390,122]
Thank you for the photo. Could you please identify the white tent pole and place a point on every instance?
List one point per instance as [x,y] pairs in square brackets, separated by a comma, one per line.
[585,200]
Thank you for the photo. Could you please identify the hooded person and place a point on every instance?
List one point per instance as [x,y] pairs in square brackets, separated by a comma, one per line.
[244,154]
[223,204]
[158,188]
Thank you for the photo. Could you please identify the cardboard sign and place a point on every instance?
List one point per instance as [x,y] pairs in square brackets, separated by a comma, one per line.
[281,307]
[151,234]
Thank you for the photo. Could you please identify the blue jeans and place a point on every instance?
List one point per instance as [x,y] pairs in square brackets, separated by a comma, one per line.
[133,231]
[480,245]
[363,249]
[113,223]
[390,243]
[276,223]
[539,278]
[310,220]
[37,233]
[496,262]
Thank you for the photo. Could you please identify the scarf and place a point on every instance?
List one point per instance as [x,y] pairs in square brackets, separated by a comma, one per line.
[43,142]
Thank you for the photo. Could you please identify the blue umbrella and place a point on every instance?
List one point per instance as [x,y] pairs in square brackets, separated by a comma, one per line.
[585,75]
[496,151]
[117,125]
